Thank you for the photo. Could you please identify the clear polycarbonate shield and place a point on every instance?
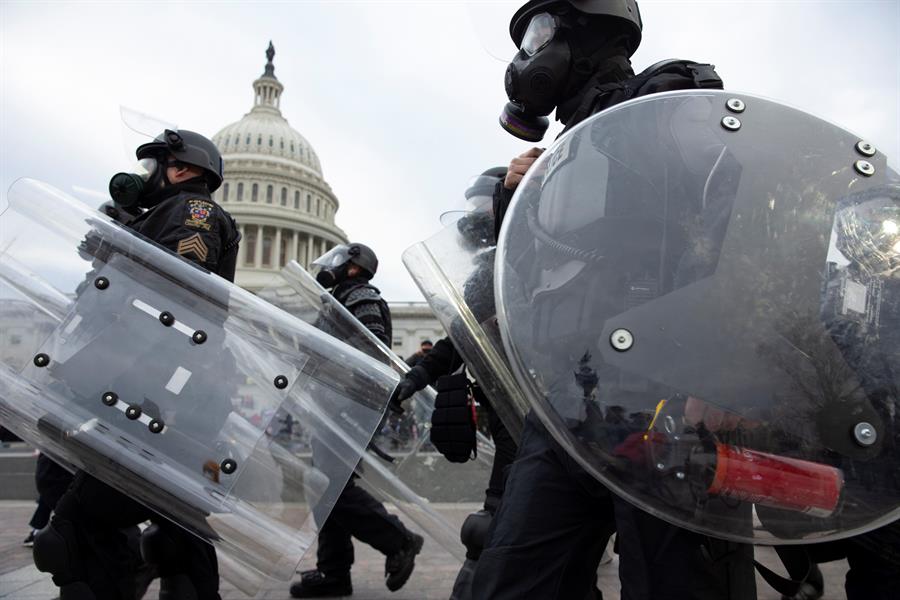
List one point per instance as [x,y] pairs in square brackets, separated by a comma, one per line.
[162,380]
[699,292]
[400,466]
[455,272]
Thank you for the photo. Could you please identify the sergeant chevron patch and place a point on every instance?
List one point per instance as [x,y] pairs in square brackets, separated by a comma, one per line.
[193,245]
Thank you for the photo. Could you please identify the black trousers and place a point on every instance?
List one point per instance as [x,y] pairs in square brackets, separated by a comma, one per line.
[555,519]
[549,532]
[51,481]
[100,524]
[356,514]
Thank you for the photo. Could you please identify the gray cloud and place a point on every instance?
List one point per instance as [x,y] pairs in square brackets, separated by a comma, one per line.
[400,100]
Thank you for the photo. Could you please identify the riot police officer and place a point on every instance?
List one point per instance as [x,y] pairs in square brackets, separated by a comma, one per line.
[346,270]
[550,530]
[452,424]
[89,545]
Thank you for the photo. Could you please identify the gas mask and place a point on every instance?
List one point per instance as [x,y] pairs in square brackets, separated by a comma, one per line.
[536,79]
[141,188]
[330,277]
[332,267]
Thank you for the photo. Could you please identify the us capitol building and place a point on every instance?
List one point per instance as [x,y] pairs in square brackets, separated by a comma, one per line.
[275,190]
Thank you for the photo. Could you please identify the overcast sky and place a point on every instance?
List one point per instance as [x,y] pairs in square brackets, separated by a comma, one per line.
[399,99]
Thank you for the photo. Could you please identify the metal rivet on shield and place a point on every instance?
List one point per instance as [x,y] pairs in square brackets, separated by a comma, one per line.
[281,382]
[865,148]
[133,412]
[736,105]
[110,398]
[864,167]
[101,283]
[621,340]
[228,466]
[731,123]
[41,360]
[199,336]
[865,434]
[166,318]
[155,426]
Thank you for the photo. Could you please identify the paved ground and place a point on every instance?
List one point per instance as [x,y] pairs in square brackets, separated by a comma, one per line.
[432,579]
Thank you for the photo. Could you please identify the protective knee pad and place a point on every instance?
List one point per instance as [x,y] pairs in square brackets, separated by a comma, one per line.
[55,551]
[474,533]
[177,587]
[157,547]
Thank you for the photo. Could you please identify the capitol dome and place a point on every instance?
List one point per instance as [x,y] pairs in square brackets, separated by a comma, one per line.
[274,188]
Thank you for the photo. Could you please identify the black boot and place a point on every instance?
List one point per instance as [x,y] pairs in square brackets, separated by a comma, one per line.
[316,584]
[399,566]
[811,589]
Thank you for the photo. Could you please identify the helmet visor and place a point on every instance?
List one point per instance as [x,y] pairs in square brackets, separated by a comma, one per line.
[540,31]
[331,259]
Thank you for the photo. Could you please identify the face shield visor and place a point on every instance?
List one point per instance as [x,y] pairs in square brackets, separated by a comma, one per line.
[479,198]
[331,268]
[332,259]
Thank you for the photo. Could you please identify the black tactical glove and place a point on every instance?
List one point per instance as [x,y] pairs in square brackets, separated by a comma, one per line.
[415,380]
[453,419]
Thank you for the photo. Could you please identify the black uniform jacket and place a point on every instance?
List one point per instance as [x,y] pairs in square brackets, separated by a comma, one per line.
[193,226]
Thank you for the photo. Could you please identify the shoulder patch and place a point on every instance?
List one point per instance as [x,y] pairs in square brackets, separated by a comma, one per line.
[193,244]
[199,212]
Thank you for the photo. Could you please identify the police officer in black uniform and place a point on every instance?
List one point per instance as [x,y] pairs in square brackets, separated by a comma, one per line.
[549,533]
[346,270]
[89,545]
[452,426]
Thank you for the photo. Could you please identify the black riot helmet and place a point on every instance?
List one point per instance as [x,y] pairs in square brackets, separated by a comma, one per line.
[562,44]
[190,148]
[619,15]
[332,266]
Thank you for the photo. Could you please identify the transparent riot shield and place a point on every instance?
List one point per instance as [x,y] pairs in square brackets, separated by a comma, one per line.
[699,293]
[162,380]
[455,272]
[399,467]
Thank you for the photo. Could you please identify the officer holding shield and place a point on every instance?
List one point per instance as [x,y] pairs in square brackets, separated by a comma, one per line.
[346,270]
[87,546]
[555,518]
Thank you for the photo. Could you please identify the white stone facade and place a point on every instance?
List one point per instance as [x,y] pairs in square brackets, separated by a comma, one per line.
[413,322]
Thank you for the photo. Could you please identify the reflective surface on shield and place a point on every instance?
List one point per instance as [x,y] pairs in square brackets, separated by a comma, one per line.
[707,318]
[162,379]
[455,272]
[401,467]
